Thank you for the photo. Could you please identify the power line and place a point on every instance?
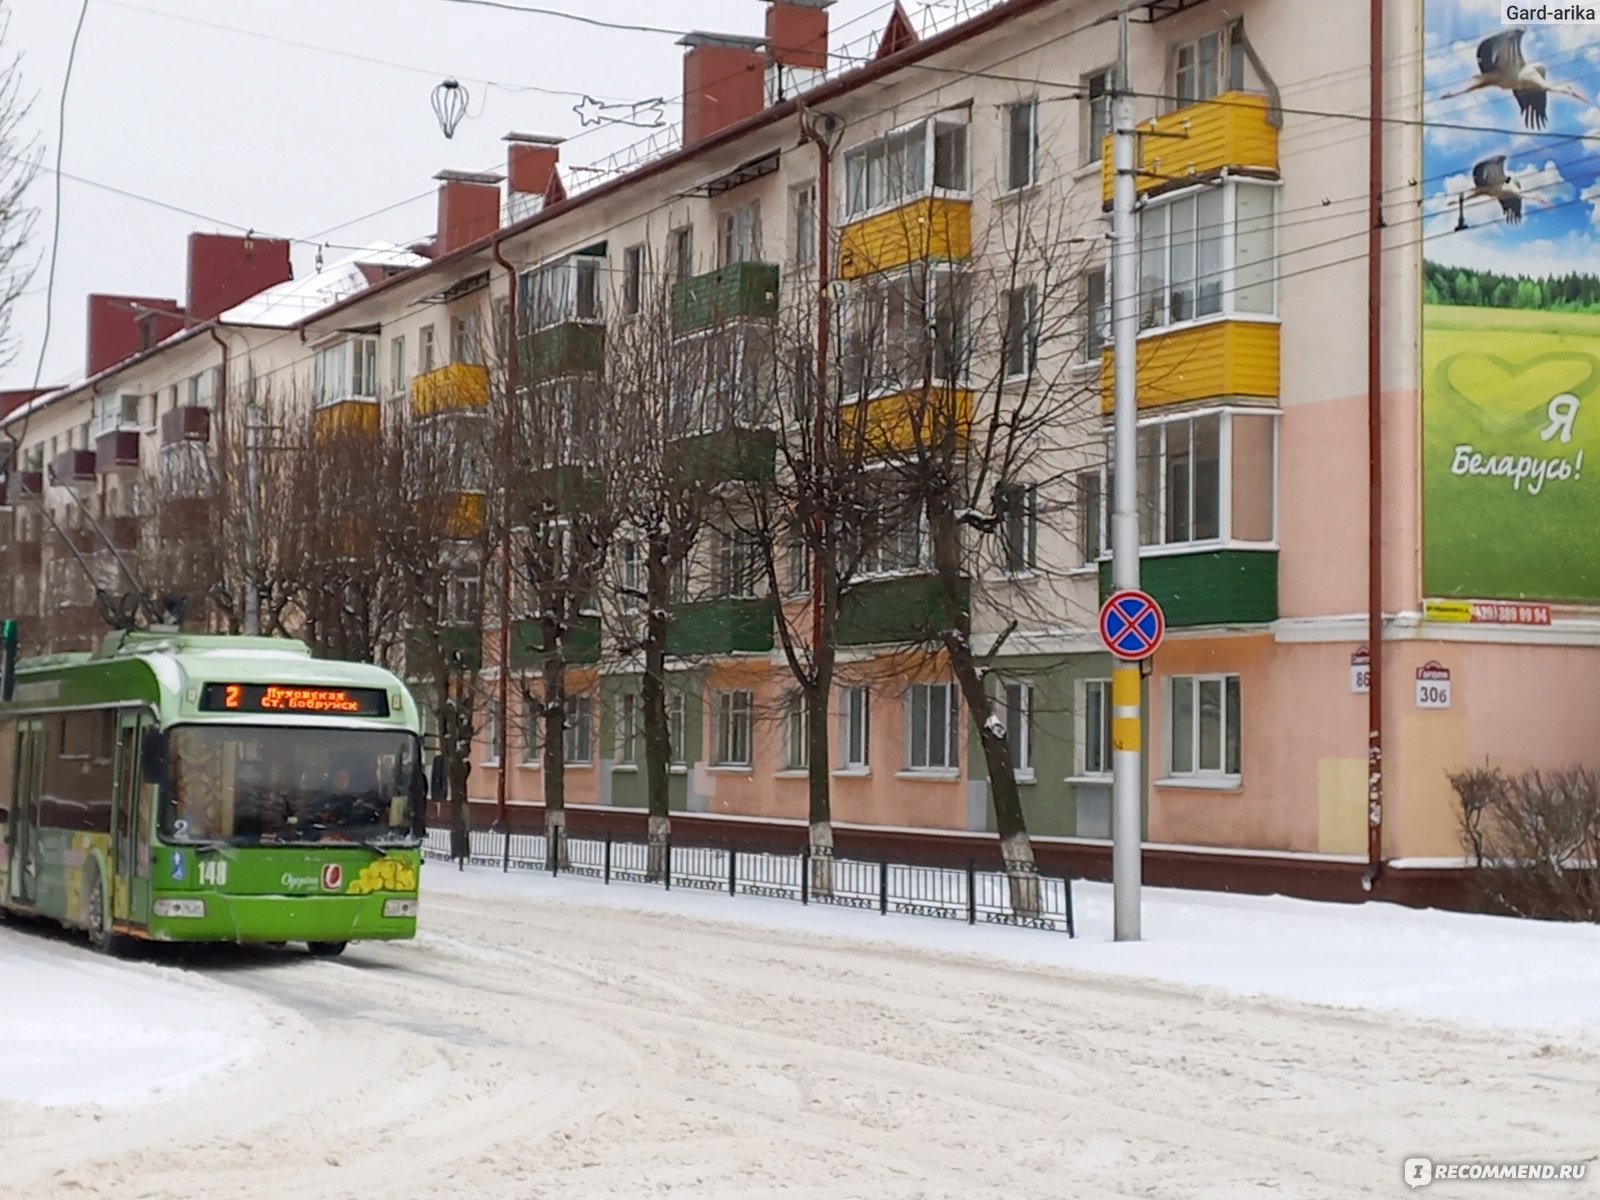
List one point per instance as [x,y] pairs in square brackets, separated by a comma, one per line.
[567,16]
[55,236]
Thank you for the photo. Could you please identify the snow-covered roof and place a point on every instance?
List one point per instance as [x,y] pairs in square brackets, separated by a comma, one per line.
[288,303]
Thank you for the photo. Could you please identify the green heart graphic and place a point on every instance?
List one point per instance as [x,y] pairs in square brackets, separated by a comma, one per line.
[1482,386]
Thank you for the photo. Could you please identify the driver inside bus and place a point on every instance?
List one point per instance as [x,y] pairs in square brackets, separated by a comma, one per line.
[342,801]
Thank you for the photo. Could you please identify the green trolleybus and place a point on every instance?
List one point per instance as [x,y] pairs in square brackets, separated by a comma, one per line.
[194,788]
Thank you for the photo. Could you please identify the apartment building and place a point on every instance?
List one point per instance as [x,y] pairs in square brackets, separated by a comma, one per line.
[969,151]
[113,481]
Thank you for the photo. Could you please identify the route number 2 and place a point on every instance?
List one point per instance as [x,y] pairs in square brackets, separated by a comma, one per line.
[214,873]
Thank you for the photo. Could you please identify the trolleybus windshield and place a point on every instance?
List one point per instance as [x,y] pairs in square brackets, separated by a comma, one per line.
[249,785]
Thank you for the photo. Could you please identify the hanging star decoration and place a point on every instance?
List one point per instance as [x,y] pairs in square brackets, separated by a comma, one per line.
[644,114]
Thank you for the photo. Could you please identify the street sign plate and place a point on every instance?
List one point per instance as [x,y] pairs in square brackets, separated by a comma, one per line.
[1131,624]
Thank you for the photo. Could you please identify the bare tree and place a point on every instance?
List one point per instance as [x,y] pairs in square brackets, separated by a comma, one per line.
[19,166]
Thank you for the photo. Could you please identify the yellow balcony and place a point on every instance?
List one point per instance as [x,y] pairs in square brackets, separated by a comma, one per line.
[347,418]
[450,388]
[906,420]
[1201,362]
[463,515]
[1199,140]
[932,227]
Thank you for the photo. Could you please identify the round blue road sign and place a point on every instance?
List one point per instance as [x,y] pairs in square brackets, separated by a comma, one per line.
[1131,624]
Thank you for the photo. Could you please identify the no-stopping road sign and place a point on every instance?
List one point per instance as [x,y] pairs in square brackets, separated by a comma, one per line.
[1131,624]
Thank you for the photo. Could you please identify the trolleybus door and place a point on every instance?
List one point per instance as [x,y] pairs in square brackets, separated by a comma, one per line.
[25,810]
[126,818]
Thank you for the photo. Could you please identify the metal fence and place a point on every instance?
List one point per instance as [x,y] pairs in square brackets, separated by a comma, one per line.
[954,893]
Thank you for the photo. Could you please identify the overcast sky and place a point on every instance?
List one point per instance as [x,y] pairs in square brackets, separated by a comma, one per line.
[193,103]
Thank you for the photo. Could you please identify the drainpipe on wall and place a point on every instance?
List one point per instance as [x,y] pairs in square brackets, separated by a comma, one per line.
[819,426]
[221,425]
[513,356]
[1375,450]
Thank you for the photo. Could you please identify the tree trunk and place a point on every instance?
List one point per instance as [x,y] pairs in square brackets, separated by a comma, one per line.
[657,733]
[819,761]
[458,768]
[555,745]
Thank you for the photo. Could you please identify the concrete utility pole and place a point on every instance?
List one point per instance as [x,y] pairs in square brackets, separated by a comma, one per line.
[252,522]
[1126,717]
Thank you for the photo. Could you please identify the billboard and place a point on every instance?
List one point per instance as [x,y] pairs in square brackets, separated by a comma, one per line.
[1511,306]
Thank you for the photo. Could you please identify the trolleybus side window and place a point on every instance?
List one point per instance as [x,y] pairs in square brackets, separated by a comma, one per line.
[8,770]
[78,775]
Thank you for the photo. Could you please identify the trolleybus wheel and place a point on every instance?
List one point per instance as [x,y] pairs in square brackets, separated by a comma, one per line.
[326,949]
[101,936]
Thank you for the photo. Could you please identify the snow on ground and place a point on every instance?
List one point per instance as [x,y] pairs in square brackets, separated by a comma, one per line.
[1476,970]
[81,1030]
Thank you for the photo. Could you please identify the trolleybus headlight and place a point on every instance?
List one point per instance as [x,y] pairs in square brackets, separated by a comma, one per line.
[399,908]
[180,908]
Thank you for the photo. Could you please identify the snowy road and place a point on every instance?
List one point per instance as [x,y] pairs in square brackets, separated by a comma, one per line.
[530,1050]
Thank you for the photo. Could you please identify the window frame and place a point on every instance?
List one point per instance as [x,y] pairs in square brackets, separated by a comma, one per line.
[739,234]
[1106,78]
[633,280]
[556,292]
[578,731]
[532,728]
[855,729]
[733,716]
[336,368]
[1225,773]
[1021,333]
[492,719]
[629,706]
[1019,734]
[803,224]
[1093,693]
[1230,64]
[865,363]
[796,731]
[952,713]
[399,379]
[1025,560]
[1226,278]
[1009,132]
[858,165]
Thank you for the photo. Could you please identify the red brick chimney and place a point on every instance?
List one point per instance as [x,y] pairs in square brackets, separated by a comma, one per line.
[723,82]
[531,160]
[469,208]
[225,270]
[797,33]
[115,331]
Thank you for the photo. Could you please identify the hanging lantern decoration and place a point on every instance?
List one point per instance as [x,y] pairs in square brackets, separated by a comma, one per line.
[450,102]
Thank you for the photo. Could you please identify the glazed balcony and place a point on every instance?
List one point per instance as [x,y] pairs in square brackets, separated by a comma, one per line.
[905,608]
[582,643]
[738,290]
[1231,132]
[932,227]
[1206,360]
[190,423]
[905,420]
[1209,587]
[457,387]
[713,628]
[116,452]
[725,456]
[354,418]
[570,348]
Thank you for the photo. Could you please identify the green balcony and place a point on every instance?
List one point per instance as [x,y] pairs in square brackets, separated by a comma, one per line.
[1210,587]
[908,608]
[460,647]
[527,644]
[721,627]
[568,489]
[571,348]
[742,289]
[725,456]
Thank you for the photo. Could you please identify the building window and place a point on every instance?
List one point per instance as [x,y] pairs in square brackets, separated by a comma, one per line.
[347,370]
[491,732]
[466,339]
[462,602]
[682,253]
[738,565]
[630,555]
[628,727]
[1018,505]
[1096,710]
[565,290]
[578,736]
[797,566]
[796,745]
[1091,516]
[803,207]
[1097,89]
[733,725]
[1206,254]
[1204,726]
[116,412]
[855,728]
[677,728]
[904,330]
[1017,712]
[532,729]
[740,234]
[897,167]
[1021,332]
[427,351]
[1096,314]
[895,539]
[632,280]
[1022,145]
[931,727]
[1209,66]
[399,381]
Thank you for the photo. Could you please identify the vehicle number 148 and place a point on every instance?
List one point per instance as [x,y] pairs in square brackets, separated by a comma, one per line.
[214,872]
